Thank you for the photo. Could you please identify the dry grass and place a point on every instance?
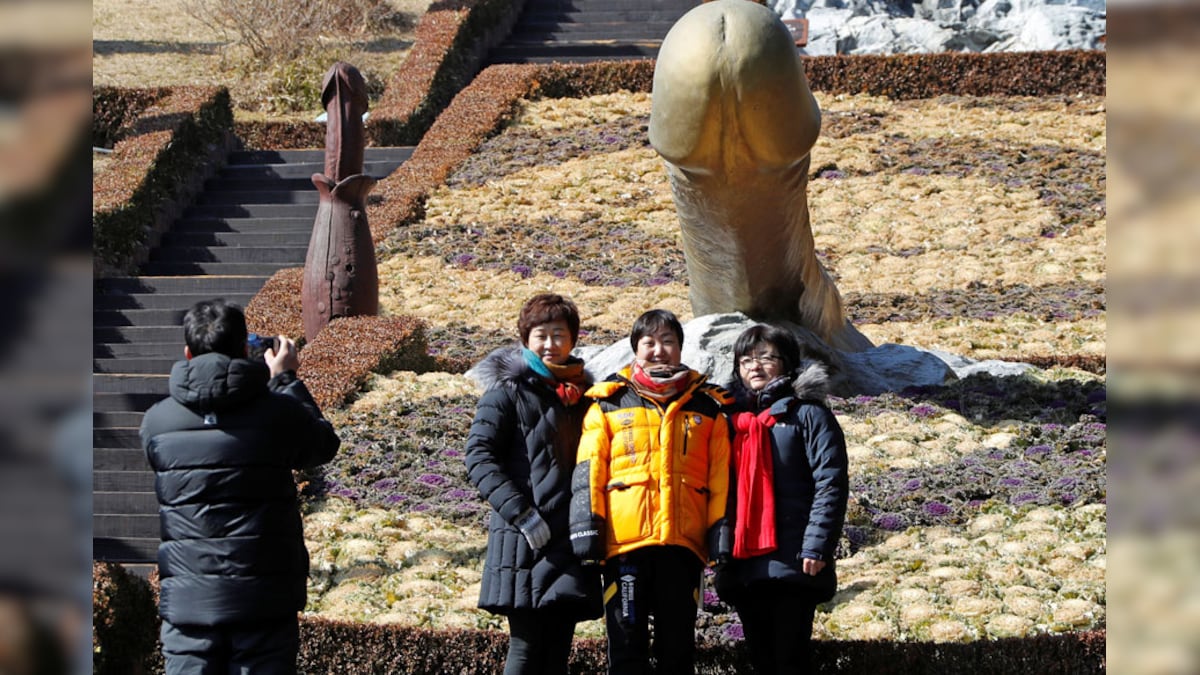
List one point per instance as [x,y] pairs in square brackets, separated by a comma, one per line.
[139,43]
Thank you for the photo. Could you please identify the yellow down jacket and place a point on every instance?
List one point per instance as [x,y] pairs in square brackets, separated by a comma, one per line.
[648,474]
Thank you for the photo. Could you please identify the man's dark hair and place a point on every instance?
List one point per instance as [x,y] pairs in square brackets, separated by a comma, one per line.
[544,308]
[653,321]
[789,347]
[215,326]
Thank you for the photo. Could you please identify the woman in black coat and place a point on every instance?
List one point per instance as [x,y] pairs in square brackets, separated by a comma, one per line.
[788,500]
[520,455]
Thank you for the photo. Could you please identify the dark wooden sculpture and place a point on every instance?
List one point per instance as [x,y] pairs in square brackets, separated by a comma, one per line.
[340,275]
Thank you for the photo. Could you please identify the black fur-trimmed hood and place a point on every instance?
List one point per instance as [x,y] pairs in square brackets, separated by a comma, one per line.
[812,381]
[506,367]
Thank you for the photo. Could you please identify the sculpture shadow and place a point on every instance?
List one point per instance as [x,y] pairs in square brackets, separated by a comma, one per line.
[986,400]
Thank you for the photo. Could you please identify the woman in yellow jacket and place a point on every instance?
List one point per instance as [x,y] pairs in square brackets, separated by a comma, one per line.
[648,496]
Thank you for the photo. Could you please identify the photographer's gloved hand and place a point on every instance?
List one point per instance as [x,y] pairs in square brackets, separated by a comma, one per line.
[536,531]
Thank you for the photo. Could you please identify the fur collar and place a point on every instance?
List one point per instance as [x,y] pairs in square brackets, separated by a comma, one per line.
[506,367]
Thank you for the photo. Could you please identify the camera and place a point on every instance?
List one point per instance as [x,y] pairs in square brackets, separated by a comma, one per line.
[259,344]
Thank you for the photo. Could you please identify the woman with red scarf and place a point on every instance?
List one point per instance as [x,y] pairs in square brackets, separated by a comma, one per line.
[788,500]
[520,454]
[649,492]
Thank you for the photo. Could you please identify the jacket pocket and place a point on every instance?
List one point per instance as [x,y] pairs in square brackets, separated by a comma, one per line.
[629,507]
[693,511]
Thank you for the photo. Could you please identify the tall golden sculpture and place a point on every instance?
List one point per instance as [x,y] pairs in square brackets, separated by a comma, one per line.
[733,116]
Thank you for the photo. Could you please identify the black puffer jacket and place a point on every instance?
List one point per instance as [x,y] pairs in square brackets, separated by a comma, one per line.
[520,453]
[223,447]
[808,451]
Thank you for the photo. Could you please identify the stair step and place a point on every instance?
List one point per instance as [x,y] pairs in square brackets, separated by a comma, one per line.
[172,349]
[114,419]
[138,317]
[119,459]
[316,155]
[531,53]
[215,268]
[273,196]
[600,46]
[115,437]
[375,168]
[138,335]
[122,503]
[608,5]
[130,384]
[183,284]
[227,211]
[125,550]
[564,17]
[249,185]
[124,401]
[230,254]
[246,225]
[179,301]
[132,526]
[517,57]
[123,481]
[133,366]
[297,238]
[631,32]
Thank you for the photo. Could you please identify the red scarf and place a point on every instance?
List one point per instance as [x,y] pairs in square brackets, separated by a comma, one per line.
[754,530]
[569,381]
[660,382]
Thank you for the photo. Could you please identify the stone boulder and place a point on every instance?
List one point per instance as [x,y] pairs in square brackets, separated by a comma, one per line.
[931,26]
[708,348]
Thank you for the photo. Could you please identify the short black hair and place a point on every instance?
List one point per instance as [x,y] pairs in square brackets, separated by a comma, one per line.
[654,320]
[215,326]
[784,341]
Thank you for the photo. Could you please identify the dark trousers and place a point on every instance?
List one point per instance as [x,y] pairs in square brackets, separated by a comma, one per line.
[777,620]
[658,581]
[234,649]
[538,642]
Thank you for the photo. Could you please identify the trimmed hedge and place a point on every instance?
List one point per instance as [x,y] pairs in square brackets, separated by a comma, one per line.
[158,164]
[126,641]
[114,110]
[276,308]
[124,621]
[909,76]
[451,43]
[337,363]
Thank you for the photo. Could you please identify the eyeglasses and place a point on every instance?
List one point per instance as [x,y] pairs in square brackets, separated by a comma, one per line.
[762,360]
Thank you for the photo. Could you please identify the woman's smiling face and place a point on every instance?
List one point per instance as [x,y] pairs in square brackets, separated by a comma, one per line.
[551,341]
[659,347]
[759,367]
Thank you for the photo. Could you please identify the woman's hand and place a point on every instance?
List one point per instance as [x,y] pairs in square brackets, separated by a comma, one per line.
[813,567]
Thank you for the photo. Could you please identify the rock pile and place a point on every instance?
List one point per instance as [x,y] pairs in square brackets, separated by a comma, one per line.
[928,26]
[708,347]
